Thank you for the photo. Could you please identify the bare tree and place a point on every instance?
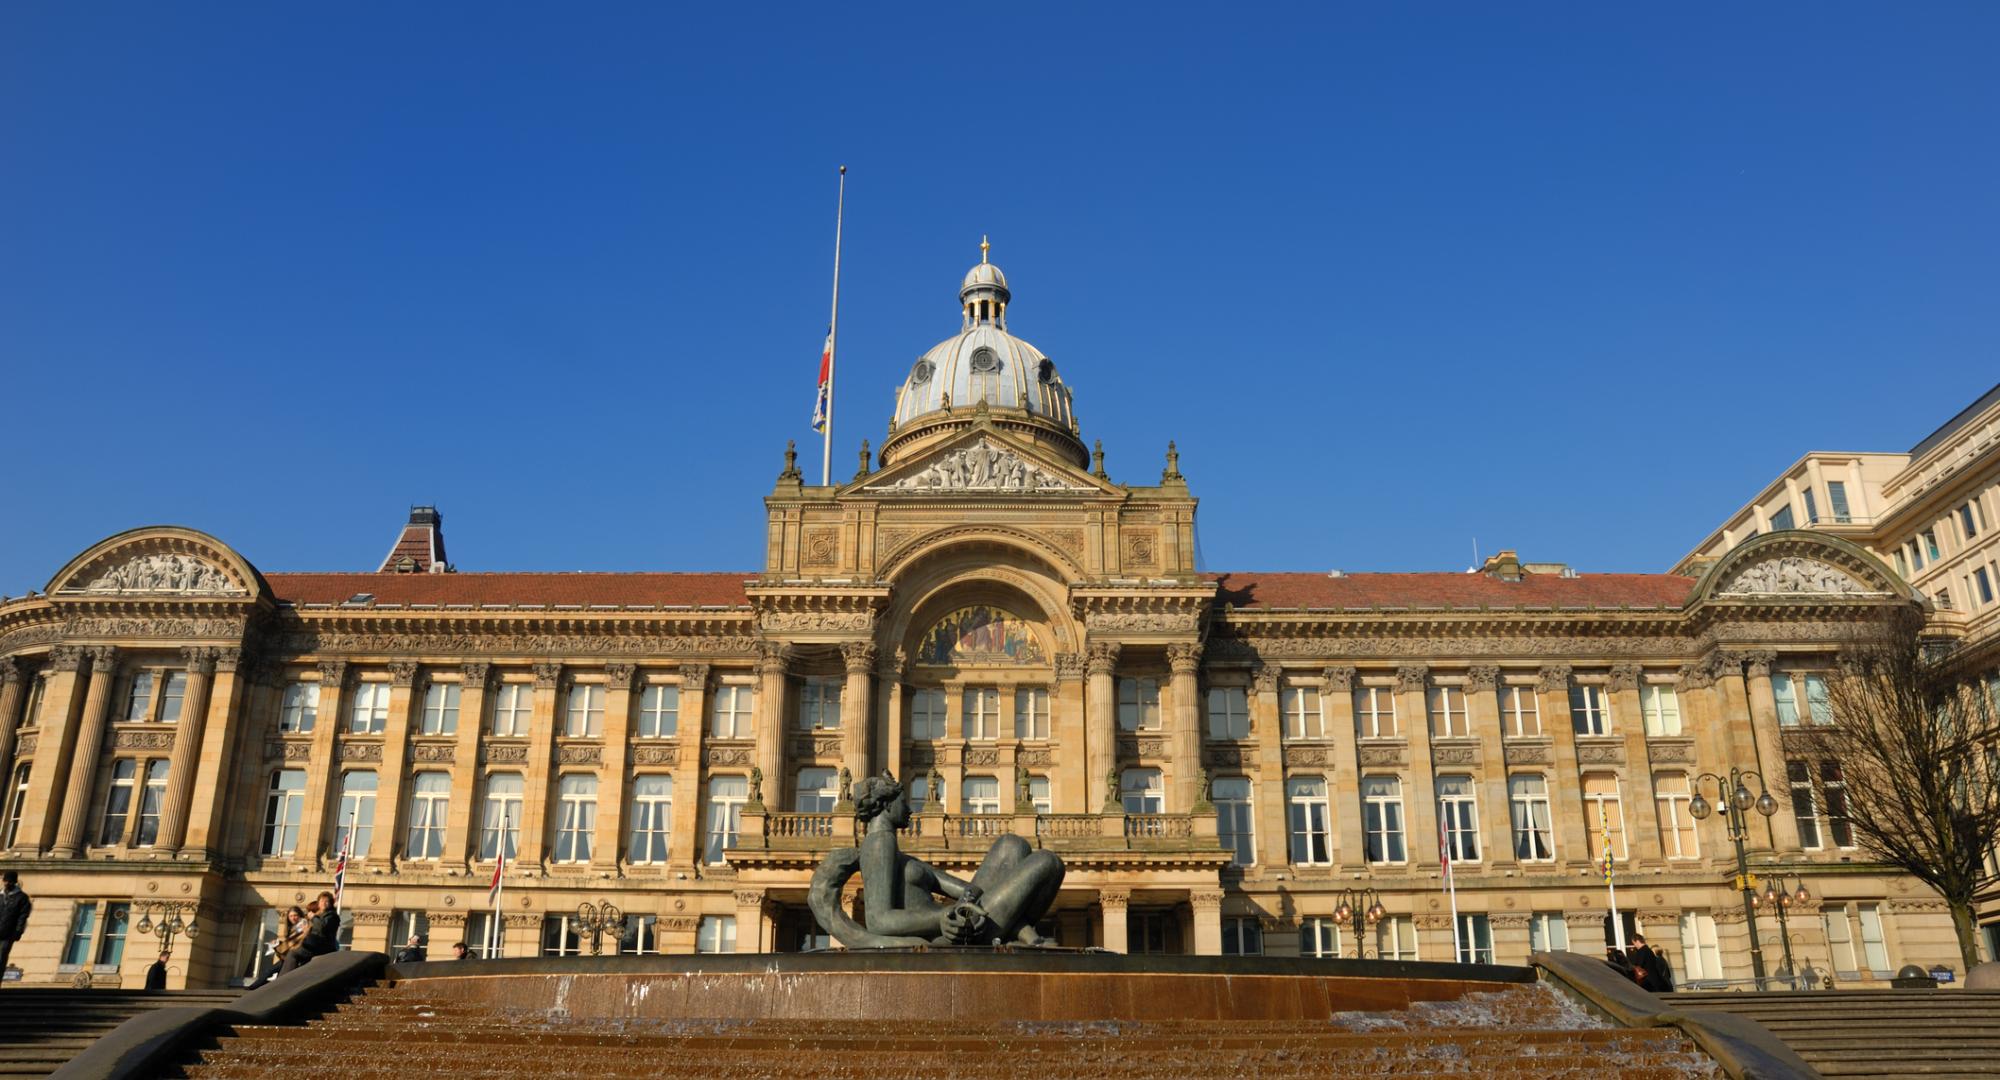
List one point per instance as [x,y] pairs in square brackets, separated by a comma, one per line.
[1915,743]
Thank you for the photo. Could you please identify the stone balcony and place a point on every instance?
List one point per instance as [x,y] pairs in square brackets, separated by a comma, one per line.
[1086,842]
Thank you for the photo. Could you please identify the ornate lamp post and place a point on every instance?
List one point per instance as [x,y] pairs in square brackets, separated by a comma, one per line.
[1361,908]
[168,919]
[1779,895]
[594,920]
[1737,802]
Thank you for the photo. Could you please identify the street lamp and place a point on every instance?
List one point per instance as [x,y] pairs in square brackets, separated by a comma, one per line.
[168,919]
[1779,898]
[1737,802]
[595,920]
[1364,908]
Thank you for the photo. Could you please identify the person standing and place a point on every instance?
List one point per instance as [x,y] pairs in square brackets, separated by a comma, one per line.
[1649,968]
[412,953]
[14,910]
[156,976]
[459,951]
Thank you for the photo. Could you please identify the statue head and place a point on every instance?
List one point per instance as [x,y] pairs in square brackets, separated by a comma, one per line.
[876,795]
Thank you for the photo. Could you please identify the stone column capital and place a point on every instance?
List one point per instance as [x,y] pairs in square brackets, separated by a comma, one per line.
[474,675]
[103,659]
[1759,661]
[1699,675]
[1339,679]
[1070,666]
[1102,657]
[694,676]
[228,658]
[1412,677]
[1115,899]
[749,898]
[1206,899]
[859,656]
[403,672]
[1482,678]
[1264,678]
[773,657]
[548,676]
[10,670]
[1625,677]
[66,658]
[619,676]
[1553,678]
[198,660]
[1184,657]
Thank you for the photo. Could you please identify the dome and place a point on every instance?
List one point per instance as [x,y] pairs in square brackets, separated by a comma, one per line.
[984,276]
[984,363]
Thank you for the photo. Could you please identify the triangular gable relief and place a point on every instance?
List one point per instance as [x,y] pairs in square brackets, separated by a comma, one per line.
[157,572]
[1792,575]
[984,464]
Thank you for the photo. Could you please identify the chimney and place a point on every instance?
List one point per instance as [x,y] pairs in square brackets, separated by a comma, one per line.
[420,548]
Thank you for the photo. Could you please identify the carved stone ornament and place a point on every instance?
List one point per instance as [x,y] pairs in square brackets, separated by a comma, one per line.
[1553,678]
[138,739]
[1205,900]
[984,755]
[1224,757]
[1671,753]
[821,547]
[1411,677]
[433,753]
[1528,754]
[65,658]
[1069,666]
[1482,678]
[1607,752]
[580,754]
[288,750]
[25,745]
[611,641]
[1381,755]
[650,754]
[504,753]
[331,674]
[619,676]
[817,620]
[1114,899]
[694,678]
[548,676]
[728,755]
[1184,657]
[1039,758]
[1305,757]
[826,745]
[1264,678]
[1699,675]
[1624,677]
[1142,622]
[198,660]
[446,919]
[402,672]
[858,656]
[1103,657]
[368,751]
[981,466]
[1140,548]
[10,670]
[1455,753]
[1790,575]
[164,572]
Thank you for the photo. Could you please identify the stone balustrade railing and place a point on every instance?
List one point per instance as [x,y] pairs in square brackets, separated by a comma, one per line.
[784,831]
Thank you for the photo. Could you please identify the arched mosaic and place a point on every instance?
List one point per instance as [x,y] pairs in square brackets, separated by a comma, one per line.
[980,634]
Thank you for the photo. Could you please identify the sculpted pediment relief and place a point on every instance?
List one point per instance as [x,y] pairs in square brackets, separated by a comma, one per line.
[980,466]
[1793,575]
[160,572]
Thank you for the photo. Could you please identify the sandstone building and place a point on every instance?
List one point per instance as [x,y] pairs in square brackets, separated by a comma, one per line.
[1222,758]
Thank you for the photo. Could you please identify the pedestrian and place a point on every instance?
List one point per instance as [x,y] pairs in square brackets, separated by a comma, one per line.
[1619,962]
[14,909]
[459,951]
[156,976]
[1651,969]
[412,953]
[322,934]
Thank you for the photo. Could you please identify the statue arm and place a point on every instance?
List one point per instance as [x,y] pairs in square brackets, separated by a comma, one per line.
[882,886]
[947,884]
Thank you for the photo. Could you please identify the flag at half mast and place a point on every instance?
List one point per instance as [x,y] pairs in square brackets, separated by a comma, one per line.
[822,404]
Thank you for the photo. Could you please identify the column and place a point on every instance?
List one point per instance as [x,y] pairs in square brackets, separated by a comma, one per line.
[684,848]
[1267,801]
[857,711]
[752,936]
[188,734]
[1069,780]
[1565,786]
[1207,904]
[607,838]
[1184,727]
[461,835]
[324,771]
[57,725]
[215,825]
[1419,793]
[1112,902]
[83,761]
[890,706]
[403,702]
[772,663]
[541,752]
[1100,740]
[1482,712]
[1769,741]
[230,693]
[13,689]
[1635,801]
[1336,702]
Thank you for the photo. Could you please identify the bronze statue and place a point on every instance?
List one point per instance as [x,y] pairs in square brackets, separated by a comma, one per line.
[1013,887]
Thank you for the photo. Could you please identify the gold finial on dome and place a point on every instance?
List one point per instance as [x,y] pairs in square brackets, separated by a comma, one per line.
[984,247]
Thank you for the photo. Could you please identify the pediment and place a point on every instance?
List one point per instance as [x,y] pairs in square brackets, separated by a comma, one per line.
[1793,575]
[983,462]
[160,561]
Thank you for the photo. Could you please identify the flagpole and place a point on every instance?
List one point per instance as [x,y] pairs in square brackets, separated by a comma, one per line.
[1450,887]
[832,336]
[1611,886]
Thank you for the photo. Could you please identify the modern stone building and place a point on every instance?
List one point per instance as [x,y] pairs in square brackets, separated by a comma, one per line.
[1222,758]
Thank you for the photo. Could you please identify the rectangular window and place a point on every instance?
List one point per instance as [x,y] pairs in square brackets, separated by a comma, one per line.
[576,817]
[1319,937]
[1812,507]
[1305,797]
[1931,545]
[404,925]
[1228,713]
[1840,941]
[927,714]
[1677,832]
[1038,795]
[1805,809]
[1475,940]
[139,698]
[1396,938]
[483,937]
[731,712]
[357,812]
[1152,932]
[300,710]
[652,818]
[17,803]
[1982,585]
[1604,814]
[1448,717]
[660,712]
[1242,937]
[982,712]
[1833,795]
[253,948]
[1787,697]
[919,788]
[430,805]
[1782,519]
[118,801]
[1548,931]
[819,705]
[513,709]
[726,796]
[1458,814]
[1916,554]
[1661,707]
[1586,710]
[1233,822]
[560,937]
[82,928]
[1375,712]
[641,936]
[1382,818]
[370,712]
[1701,955]
[1303,717]
[171,695]
[1836,500]
[1874,950]
[1818,704]
[1521,711]
[440,709]
[283,804]
[1031,712]
[1534,839]
[816,791]
[717,934]
[1141,791]
[111,943]
[585,717]
[981,795]
[1967,523]
[1139,704]
[1902,564]
[151,801]
[500,829]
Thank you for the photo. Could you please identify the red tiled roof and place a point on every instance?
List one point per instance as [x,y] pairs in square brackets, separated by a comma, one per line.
[585,589]
[1291,590]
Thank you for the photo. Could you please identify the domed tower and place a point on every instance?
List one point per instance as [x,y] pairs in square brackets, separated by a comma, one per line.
[983,367]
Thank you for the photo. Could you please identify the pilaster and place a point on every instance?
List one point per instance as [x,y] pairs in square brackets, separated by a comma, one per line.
[773,666]
[541,756]
[322,770]
[1267,802]
[1420,789]
[857,709]
[61,707]
[1768,739]
[1207,905]
[187,755]
[1101,729]
[1565,783]
[1112,902]
[1635,796]
[1069,780]
[608,834]
[1482,704]
[461,837]
[1184,663]
[753,931]
[684,847]
[13,690]
[83,760]
[384,843]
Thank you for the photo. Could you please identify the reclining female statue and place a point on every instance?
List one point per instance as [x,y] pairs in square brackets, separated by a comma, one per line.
[1013,887]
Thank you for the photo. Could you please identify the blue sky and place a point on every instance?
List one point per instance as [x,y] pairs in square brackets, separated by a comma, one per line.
[1572,279]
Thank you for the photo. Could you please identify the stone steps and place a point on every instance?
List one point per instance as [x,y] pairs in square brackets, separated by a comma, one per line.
[41,1028]
[1864,1033]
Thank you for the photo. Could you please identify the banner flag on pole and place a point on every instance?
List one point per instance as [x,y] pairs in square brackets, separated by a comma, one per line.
[1610,886]
[340,864]
[822,402]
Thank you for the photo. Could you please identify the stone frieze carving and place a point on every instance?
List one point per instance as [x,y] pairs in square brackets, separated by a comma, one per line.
[1610,752]
[501,644]
[1069,541]
[1792,574]
[816,620]
[1029,759]
[1671,753]
[1305,757]
[288,750]
[1427,646]
[984,755]
[29,635]
[649,754]
[368,751]
[433,753]
[1455,753]
[163,572]
[1382,755]
[1226,757]
[504,753]
[1145,746]
[139,739]
[25,745]
[981,466]
[1141,621]
[1528,754]
[580,754]
[124,626]
[728,755]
